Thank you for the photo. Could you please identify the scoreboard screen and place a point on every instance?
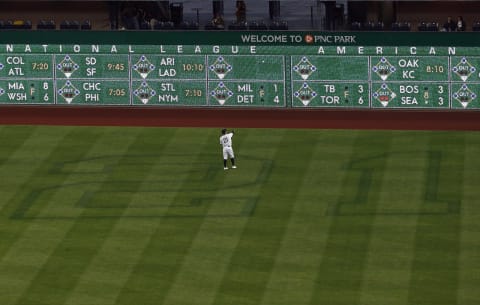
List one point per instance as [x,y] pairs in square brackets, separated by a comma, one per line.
[241,69]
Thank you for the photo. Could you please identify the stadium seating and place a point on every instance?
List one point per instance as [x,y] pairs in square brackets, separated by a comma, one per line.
[378,26]
[46,25]
[209,26]
[174,13]
[188,25]
[476,26]
[15,24]
[64,25]
[69,25]
[163,25]
[169,25]
[428,26]
[368,26]
[422,26]
[238,26]
[401,26]
[355,26]
[278,25]
[145,25]
[86,25]
[432,27]
[257,26]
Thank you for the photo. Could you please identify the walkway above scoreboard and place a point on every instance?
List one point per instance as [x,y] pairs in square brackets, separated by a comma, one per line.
[293,38]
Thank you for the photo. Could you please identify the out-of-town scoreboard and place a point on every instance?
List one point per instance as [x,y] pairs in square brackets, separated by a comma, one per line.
[242,69]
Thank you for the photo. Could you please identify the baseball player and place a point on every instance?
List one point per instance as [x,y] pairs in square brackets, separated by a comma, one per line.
[226,142]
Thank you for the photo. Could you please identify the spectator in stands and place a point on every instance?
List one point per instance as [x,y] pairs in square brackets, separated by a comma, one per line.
[241,12]
[113,9]
[218,23]
[461,26]
[149,13]
[449,25]
[143,16]
[130,17]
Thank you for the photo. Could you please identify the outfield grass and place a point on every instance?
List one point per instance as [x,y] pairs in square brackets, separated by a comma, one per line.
[147,216]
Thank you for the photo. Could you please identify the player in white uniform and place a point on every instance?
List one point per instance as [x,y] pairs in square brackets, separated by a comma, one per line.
[226,142]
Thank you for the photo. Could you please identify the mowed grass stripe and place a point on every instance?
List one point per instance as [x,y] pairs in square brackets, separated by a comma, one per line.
[84,237]
[390,250]
[162,257]
[253,260]
[51,227]
[23,157]
[209,255]
[292,279]
[36,219]
[342,264]
[12,138]
[469,260]
[29,244]
[109,270]
[434,279]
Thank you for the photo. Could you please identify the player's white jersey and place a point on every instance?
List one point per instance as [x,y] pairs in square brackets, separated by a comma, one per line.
[226,140]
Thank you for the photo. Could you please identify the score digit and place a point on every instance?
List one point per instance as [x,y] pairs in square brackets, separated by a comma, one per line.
[117,92]
[193,92]
[115,67]
[193,67]
[435,69]
[42,66]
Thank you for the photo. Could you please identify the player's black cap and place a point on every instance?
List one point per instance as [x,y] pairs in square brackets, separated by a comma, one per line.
[224,131]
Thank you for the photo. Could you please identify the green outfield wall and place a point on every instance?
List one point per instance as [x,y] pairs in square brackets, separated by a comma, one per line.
[241,69]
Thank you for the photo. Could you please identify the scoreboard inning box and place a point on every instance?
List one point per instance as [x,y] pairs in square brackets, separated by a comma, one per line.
[243,69]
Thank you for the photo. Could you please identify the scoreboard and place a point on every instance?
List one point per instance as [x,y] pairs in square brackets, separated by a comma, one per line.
[241,69]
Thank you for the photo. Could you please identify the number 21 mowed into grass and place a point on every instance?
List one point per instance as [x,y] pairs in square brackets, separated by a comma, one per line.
[148,216]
